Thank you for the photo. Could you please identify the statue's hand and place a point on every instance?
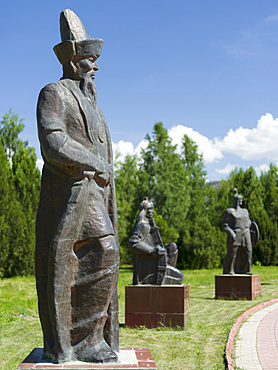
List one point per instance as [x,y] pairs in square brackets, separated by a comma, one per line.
[233,235]
[89,174]
[160,250]
[103,177]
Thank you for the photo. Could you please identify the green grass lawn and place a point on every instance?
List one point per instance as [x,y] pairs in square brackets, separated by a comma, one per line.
[200,346]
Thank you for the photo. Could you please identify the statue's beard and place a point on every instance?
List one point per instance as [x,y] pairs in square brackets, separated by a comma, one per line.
[88,87]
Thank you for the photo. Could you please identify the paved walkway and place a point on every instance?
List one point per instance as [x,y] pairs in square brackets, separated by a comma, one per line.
[257,341]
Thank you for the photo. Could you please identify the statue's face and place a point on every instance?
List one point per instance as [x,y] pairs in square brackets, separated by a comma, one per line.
[237,201]
[149,212]
[85,67]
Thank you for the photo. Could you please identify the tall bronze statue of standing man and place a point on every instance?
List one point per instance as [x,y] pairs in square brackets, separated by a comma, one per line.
[242,234]
[77,256]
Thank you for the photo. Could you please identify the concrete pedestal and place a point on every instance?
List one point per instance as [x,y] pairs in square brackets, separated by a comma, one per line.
[237,286]
[154,305]
[129,359]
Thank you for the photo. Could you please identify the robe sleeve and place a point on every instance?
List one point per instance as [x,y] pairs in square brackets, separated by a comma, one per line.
[59,150]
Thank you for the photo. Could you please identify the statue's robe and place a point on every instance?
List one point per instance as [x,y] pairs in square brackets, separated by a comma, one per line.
[77,256]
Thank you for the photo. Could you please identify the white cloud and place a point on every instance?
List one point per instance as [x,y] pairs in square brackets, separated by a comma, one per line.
[230,167]
[253,144]
[40,164]
[227,169]
[123,148]
[142,145]
[206,146]
[261,168]
[258,143]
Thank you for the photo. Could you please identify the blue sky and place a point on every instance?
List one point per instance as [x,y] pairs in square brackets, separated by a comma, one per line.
[205,68]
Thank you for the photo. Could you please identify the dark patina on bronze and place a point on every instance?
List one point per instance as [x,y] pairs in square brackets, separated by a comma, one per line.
[242,235]
[77,257]
[153,263]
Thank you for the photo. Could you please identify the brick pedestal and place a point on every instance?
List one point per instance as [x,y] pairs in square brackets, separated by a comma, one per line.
[129,359]
[237,286]
[153,305]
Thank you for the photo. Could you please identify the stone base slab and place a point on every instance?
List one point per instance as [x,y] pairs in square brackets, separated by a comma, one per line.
[237,286]
[129,359]
[156,305]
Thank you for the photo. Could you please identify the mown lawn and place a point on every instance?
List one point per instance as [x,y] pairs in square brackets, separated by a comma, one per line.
[200,346]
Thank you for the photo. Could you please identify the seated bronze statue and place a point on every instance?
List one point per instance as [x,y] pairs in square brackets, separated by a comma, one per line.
[152,262]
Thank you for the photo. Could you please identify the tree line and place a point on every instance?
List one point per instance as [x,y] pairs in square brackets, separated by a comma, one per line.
[188,209]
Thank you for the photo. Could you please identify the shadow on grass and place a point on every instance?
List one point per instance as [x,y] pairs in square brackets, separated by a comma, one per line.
[159,328]
[126,269]
[205,298]
[225,359]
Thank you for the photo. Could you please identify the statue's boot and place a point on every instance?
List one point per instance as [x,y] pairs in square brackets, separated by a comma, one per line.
[100,352]
[248,251]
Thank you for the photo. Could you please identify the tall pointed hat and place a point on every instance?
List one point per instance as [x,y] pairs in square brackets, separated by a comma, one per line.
[75,39]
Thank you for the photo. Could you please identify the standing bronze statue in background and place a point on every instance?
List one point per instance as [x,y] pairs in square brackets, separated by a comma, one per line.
[77,256]
[152,262]
[242,234]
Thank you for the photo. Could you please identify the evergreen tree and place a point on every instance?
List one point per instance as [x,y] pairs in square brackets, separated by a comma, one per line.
[10,128]
[200,243]
[269,181]
[5,199]
[194,165]
[249,186]
[126,182]
[19,199]
[163,178]
[168,234]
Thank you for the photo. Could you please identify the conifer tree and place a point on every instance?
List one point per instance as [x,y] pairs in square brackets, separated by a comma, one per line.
[269,182]
[19,199]
[200,242]
[126,182]
[163,178]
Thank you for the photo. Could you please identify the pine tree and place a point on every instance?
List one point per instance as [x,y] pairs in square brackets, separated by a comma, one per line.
[163,178]
[126,182]
[19,199]
[200,242]
[269,181]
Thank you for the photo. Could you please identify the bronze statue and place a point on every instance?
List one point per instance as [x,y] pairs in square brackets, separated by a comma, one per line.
[242,234]
[152,262]
[77,256]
